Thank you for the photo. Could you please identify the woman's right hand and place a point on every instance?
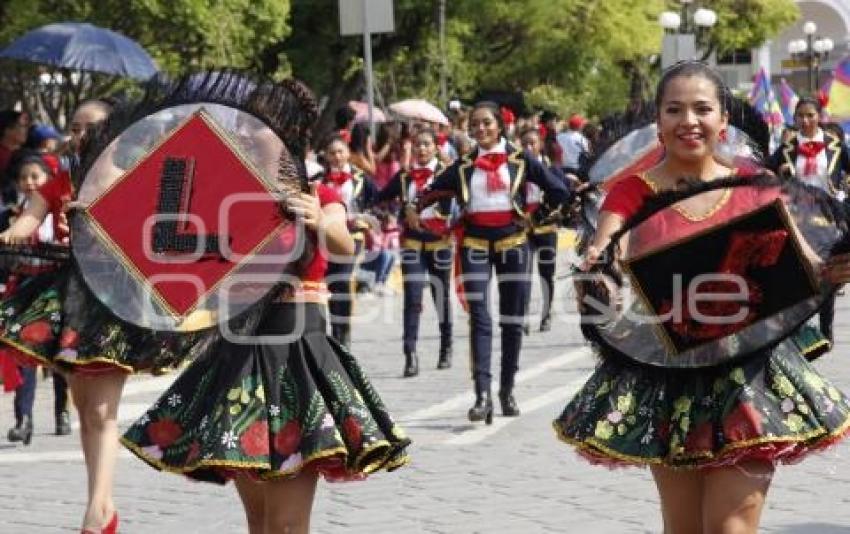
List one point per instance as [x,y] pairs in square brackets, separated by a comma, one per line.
[592,256]
[7,238]
[411,218]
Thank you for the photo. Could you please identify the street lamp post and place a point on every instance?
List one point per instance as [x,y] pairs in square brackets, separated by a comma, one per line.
[683,32]
[811,50]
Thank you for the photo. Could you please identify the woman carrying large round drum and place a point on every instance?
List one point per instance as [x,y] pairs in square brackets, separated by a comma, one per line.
[711,433]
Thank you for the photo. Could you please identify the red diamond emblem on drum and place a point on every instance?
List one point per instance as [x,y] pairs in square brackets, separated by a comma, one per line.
[176,220]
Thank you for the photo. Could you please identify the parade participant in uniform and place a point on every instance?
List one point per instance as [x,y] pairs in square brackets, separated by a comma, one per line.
[32,172]
[818,157]
[710,433]
[79,337]
[357,192]
[543,233]
[274,415]
[426,249]
[489,187]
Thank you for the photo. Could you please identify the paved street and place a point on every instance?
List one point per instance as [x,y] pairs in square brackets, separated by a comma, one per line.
[512,477]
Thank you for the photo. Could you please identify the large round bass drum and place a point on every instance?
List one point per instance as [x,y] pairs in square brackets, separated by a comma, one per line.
[714,272]
[179,223]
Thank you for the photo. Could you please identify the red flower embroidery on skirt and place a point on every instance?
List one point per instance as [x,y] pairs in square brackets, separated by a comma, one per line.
[69,338]
[194,452]
[164,432]
[255,440]
[288,438]
[37,333]
[742,423]
[352,431]
[663,430]
[700,438]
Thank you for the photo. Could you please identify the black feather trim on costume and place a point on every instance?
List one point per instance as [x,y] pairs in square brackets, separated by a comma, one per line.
[288,108]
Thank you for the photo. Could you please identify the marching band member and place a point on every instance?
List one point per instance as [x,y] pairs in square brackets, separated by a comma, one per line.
[710,433]
[357,192]
[489,187]
[817,156]
[543,234]
[426,256]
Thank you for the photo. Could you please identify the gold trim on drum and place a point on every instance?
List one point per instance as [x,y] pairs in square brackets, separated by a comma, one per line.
[193,319]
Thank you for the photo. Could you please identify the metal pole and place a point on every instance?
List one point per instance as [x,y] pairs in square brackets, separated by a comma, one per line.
[810,57]
[817,73]
[367,55]
[444,97]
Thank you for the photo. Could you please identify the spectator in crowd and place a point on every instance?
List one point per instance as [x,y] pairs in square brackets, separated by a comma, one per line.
[549,135]
[14,127]
[387,152]
[362,152]
[574,145]
[343,120]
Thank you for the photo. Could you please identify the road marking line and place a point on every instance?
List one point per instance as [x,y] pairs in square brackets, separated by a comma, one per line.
[481,432]
[453,404]
[72,455]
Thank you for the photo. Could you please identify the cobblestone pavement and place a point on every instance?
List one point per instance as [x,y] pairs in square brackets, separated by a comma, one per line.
[512,477]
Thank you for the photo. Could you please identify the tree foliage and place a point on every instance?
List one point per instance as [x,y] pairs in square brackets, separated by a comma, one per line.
[181,35]
[567,55]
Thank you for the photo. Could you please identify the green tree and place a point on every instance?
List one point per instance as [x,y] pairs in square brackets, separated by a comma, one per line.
[749,23]
[589,55]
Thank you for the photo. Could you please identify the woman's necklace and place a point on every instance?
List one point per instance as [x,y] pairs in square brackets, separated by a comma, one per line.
[693,217]
[685,212]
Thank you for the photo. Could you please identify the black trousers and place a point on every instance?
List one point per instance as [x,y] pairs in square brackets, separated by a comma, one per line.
[544,246]
[25,394]
[511,266]
[342,287]
[420,268]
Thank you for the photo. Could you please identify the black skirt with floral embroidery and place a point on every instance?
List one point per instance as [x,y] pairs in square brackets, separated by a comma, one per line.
[53,319]
[271,409]
[772,406]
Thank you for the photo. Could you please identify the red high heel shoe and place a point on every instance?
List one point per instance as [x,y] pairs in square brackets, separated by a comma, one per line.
[110,528]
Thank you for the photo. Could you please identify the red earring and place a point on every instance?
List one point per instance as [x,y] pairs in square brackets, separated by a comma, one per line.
[723,136]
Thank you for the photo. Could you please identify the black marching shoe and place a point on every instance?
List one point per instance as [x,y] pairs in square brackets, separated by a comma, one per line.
[22,432]
[445,360]
[508,402]
[482,410]
[411,364]
[546,324]
[63,423]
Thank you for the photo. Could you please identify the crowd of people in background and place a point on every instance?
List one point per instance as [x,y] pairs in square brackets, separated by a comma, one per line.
[30,155]
[567,145]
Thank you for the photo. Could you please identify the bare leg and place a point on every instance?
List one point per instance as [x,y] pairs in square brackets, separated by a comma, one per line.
[289,504]
[681,499]
[253,497]
[733,498]
[97,398]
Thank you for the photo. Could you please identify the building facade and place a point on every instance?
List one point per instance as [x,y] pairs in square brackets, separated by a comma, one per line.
[832,18]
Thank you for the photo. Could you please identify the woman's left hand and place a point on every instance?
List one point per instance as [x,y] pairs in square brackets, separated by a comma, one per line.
[837,269]
[306,207]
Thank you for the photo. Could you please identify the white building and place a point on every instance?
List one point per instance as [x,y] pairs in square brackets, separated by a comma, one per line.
[832,18]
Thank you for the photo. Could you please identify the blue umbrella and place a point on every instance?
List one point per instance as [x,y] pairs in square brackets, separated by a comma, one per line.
[82,46]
